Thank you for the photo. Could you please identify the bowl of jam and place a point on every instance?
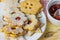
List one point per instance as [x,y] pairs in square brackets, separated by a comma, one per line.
[53,11]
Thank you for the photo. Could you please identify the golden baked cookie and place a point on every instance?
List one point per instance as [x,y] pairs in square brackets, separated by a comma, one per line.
[17,18]
[7,34]
[32,23]
[38,30]
[30,33]
[13,31]
[30,6]
[6,29]
[13,35]
[6,18]
[0,0]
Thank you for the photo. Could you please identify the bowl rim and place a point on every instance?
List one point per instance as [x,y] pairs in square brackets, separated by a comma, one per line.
[51,1]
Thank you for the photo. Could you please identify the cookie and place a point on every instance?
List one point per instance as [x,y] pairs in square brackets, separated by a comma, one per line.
[17,18]
[6,29]
[32,23]
[30,6]
[30,33]
[13,35]
[2,23]
[13,31]
[17,30]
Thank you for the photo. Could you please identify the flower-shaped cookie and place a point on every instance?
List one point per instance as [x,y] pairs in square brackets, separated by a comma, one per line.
[13,32]
[32,23]
[30,6]
[17,18]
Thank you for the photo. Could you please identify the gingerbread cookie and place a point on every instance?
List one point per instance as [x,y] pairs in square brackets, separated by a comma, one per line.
[30,6]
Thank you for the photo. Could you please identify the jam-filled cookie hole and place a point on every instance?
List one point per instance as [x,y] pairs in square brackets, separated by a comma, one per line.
[17,18]
[29,21]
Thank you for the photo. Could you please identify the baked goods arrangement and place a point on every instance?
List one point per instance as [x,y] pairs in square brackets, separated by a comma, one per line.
[21,18]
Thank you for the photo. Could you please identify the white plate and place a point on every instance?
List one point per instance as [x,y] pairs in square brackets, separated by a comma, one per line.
[34,36]
[38,35]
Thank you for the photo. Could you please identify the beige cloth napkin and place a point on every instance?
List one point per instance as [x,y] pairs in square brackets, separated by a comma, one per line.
[52,32]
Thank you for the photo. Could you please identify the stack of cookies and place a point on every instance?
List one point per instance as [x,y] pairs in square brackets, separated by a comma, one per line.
[22,19]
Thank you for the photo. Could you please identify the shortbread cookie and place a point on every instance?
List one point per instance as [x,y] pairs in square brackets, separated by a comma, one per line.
[30,6]
[13,32]
[32,23]
[13,35]
[6,29]
[17,30]
[16,18]
[30,33]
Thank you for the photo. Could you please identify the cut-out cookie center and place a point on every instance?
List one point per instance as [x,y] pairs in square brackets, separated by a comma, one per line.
[29,21]
[30,6]
[25,7]
[27,3]
[18,18]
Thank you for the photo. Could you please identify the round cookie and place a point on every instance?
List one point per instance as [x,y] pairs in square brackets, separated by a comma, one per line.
[32,23]
[30,6]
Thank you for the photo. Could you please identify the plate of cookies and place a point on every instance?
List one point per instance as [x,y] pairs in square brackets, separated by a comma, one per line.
[21,20]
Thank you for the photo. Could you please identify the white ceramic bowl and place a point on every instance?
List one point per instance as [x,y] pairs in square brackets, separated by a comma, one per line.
[52,20]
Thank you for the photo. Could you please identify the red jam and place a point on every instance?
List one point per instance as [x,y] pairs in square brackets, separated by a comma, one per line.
[29,22]
[18,18]
[53,9]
